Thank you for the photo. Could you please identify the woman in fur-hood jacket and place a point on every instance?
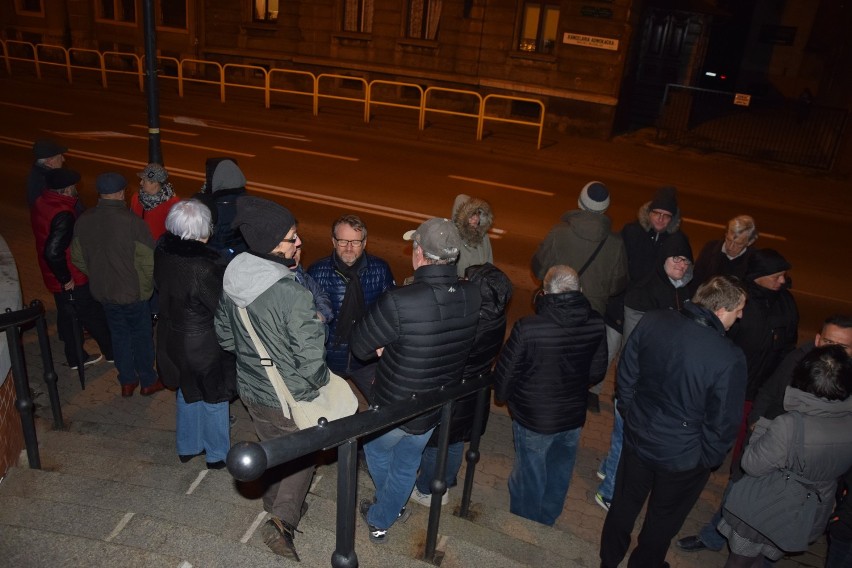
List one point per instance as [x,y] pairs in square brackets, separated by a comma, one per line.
[473,218]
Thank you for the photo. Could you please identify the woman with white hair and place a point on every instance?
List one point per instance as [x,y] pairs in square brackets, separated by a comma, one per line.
[188,354]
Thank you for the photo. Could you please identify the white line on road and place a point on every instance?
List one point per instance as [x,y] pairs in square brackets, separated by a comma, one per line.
[38,109]
[194,485]
[169,130]
[250,531]
[120,526]
[717,225]
[99,134]
[226,152]
[216,126]
[812,295]
[322,154]
[503,185]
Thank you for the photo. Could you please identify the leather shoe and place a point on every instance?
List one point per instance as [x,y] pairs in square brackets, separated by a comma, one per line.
[156,387]
[278,536]
[127,390]
[691,544]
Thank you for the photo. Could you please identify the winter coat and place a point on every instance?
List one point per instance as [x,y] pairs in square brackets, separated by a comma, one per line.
[53,216]
[712,262]
[573,241]
[549,362]
[767,332]
[827,455]
[226,240]
[282,313]
[155,218]
[427,330]
[376,278]
[115,249]
[496,291]
[189,357]
[476,246]
[681,386]
[322,301]
[769,401]
[642,243]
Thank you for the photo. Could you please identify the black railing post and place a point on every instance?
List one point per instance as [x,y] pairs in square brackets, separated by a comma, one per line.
[23,400]
[438,485]
[347,492]
[50,377]
[483,398]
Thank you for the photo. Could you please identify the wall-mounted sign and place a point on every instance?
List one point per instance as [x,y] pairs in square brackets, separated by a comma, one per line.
[590,41]
[742,99]
[778,35]
[592,12]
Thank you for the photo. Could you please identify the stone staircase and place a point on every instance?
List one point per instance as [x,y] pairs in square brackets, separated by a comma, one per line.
[115,495]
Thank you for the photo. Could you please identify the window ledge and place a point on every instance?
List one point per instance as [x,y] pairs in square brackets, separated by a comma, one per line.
[260,27]
[352,38]
[533,57]
[416,45]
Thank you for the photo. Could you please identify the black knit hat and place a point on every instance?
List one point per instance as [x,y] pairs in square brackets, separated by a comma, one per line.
[676,245]
[263,223]
[665,199]
[764,262]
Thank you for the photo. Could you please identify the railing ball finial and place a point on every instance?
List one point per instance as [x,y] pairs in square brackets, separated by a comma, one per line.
[246,461]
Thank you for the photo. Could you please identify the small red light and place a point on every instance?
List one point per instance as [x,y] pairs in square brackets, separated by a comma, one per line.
[723,77]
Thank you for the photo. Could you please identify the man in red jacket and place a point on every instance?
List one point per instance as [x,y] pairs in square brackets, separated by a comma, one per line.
[53,216]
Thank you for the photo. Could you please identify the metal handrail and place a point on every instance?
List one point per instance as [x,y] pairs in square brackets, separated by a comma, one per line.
[247,461]
[483,116]
[12,323]
[371,99]
[424,106]
[363,100]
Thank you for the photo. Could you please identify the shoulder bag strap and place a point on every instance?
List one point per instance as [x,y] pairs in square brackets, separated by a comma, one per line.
[278,383]
[592,258]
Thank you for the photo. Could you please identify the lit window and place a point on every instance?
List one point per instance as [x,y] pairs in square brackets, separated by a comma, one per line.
[265,10]
[423,18]
[358,16]
[538,27]
[172,14]
[118,10]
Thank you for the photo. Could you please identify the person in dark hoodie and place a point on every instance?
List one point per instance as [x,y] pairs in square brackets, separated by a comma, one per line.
[644,237]
[496,290]
[543,374]
[473,218]
[225,184]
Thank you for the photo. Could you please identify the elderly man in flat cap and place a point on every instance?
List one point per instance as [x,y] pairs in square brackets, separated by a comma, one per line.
[47,155]
[115,249]
[282,313]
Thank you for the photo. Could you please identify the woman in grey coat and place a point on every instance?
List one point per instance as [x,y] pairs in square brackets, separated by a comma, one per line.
[819,392]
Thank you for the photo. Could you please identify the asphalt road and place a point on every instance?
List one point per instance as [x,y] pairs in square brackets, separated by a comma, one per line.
[395,176]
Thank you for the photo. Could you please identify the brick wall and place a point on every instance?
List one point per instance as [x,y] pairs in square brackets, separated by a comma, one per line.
[11,435]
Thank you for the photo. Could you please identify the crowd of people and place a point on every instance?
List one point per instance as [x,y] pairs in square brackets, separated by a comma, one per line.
[200,295]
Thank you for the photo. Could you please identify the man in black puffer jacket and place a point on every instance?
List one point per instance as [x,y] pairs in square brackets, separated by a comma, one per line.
[544,371]
[423,334]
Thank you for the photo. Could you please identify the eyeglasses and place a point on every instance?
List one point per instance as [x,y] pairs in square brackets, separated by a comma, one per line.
[680,260]
[343,243]
[661,214]
[293,240]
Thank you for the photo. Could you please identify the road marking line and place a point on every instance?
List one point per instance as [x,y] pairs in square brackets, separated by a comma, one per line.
[322,154]
[253,527]
[717,225]
[120,526]
[503,185]
[170,131]
[38,109]
[96,135]
[812,295]
[204,124]
[194,485]
[226,152]
[184,564]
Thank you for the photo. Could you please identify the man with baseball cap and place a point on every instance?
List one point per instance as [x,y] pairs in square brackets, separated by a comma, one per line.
[115,249]
[53,216]
[47,155]
[423,334]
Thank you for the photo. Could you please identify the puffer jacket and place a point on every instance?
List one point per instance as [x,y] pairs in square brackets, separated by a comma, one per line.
[476,246]
[376,278]
[827,448]
[643,243]
[573,241]
[188,355]
[282,313]
[549,362]
[427,330]
[53,217]
[681,387]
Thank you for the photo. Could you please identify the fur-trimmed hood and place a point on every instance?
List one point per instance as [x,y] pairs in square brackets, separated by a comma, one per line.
[463,207]
[644,218]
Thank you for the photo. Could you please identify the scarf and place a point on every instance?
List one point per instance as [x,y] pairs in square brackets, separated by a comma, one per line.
[149,202]
[353,308]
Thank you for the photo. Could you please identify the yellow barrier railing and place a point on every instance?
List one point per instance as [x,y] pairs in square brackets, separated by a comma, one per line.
[119,62]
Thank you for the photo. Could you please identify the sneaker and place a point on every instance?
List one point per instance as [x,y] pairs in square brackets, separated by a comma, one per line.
[377,535]
[604,503]
[278,536]
[91,360]
[601,475]
[425,499]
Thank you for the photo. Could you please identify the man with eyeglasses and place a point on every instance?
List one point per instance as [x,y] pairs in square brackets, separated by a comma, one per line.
[728,255]
[354,280]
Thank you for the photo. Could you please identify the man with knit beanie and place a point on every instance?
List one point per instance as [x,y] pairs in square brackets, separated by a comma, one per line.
[283,315]
[225,185]
[583,239]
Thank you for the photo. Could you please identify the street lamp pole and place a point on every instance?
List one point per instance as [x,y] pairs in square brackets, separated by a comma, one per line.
[152,90]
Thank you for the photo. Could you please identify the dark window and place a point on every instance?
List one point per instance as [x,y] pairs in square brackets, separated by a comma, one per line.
[423,18]
[538,27]
[358,16]
[30,5]
[173,14]
[118,10]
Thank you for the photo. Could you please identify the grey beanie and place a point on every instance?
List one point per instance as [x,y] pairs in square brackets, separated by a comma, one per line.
[594,197]
[228,176]
[262,222]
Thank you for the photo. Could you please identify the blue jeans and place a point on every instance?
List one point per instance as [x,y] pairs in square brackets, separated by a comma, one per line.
[203,426]
[393,459]
[132,342]
[429,461]
[839,553]
[609,467]
[542,472]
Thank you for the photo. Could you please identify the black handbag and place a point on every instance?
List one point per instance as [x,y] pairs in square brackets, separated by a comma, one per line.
[781,505]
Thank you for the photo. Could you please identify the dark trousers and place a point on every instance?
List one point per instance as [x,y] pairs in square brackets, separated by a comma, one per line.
[79,303]
[671,496]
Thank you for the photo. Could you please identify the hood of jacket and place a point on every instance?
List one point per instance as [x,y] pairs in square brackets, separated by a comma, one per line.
[227,175]
[644,218]
[248,276]
[567,309]
[812,405]
[494,287]
[588,225]
[463,207]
